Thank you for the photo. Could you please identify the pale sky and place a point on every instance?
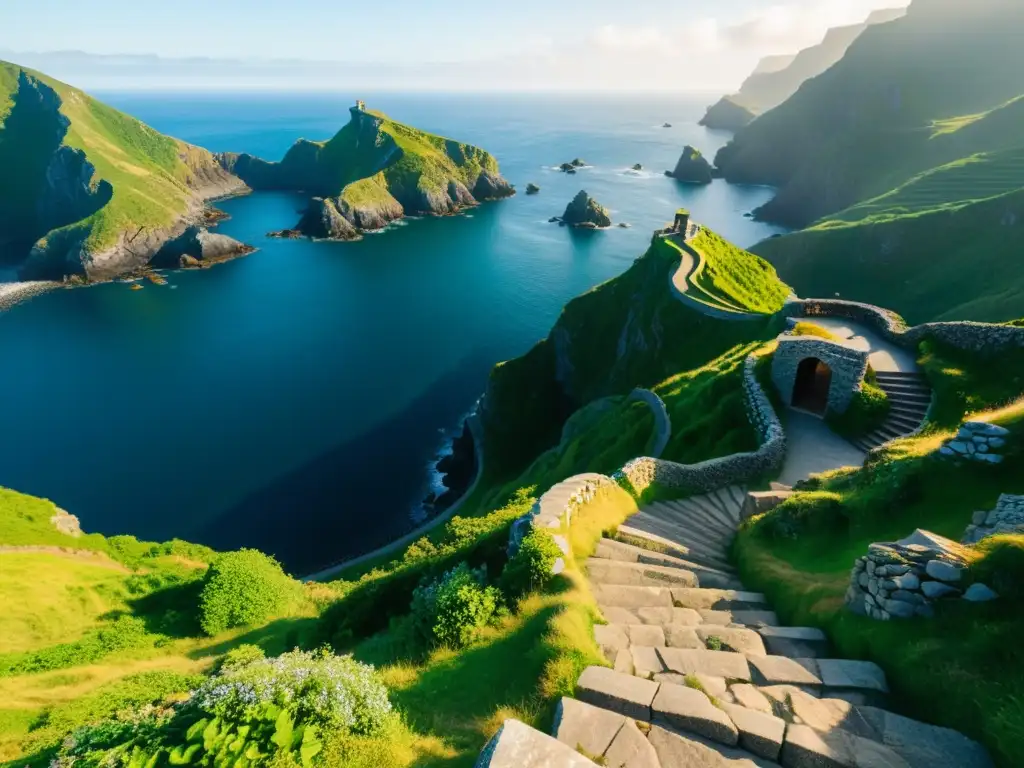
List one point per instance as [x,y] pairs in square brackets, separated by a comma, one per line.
[523,44]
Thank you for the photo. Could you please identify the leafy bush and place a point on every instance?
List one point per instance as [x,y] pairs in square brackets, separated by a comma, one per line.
[812,512]
[266,711]
[868,410]
[123,633]
[452,609]
[240,656]
[244,588]
[532,564]
[1001,565]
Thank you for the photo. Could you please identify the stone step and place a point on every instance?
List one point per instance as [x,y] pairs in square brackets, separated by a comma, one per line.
[616,596]
[691,533]
[830,677]
[910,398]
[795,642]
[638,574]
[718,599]
[904,423]
[691,514]
[900,386]
[730,499]
[657,538]
[909,412]
[602,733]
[618,551]
[711,508]
[517,745]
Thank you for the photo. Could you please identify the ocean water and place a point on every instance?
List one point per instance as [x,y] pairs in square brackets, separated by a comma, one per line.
[295,400]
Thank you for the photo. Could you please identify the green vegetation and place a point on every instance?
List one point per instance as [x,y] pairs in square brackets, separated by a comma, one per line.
[139,177]
[452,609]
[800,555]
[867,411]
[242,589]
[531,566]
[925,186]
[736,276]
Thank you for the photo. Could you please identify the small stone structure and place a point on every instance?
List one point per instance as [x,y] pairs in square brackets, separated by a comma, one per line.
[902,579]
[1007,517]
[977,441]
[682,221]
[802,364]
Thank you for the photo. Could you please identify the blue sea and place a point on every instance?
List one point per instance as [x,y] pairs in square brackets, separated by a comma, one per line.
[295,400]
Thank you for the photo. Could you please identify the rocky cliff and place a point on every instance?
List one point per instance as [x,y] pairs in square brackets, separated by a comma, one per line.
[94,193]
[693,167]
[586,213]
[727,115]
[374,171]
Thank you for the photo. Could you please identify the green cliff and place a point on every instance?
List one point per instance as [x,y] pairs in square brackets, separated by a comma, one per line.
[903,163]
[90,191]
[376,170]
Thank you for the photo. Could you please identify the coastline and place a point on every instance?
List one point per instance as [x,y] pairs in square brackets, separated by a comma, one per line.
[473,422]
[12,294]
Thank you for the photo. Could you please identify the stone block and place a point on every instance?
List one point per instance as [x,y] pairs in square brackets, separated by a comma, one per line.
[907,581]
[979,593]
[745,641]
[621,616]
[632,597]
[849,674]
[517,745]
[781,670]
[761,734]
[943,571]
[806,748]
[750,696]
[899,609]
[626,694]
[922,745]
[934,590]
[646,661]
[683,637]
[612,638]
[647,634]
[732,666]
[578,724]
[676,751]
[686,617]
[691,710]
[717,599]
[631,749]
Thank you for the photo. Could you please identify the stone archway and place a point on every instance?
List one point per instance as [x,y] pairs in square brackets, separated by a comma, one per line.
[812,386]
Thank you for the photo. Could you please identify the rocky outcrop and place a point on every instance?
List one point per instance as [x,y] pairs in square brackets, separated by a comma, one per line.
[692,168]
[585,212]
[727,115]
[491,186]
[532,189]
[322,220]
[197,246]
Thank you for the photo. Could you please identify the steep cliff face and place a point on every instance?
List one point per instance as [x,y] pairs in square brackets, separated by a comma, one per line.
[89,191]
[376,170]
[727,115]
[693,167]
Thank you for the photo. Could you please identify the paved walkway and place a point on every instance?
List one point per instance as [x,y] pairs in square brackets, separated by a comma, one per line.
[885,355]
[813,448]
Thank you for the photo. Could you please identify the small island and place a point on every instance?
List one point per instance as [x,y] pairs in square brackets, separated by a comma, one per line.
[532,189]
[692,168]
[573,166]
[584,212]
[374,171]
[638,167]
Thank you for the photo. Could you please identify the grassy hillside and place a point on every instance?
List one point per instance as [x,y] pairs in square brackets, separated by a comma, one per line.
[800,555]
[628,332]
[907,152]
[134,177]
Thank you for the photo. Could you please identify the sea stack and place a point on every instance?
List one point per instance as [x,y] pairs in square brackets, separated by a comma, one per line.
[693,167]
[584,212]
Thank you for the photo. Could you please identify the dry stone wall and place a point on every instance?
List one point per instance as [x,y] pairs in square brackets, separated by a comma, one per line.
[977,441]
[1007,517]
[848,365]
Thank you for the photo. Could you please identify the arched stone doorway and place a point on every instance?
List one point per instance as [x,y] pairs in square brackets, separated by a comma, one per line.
[812,386]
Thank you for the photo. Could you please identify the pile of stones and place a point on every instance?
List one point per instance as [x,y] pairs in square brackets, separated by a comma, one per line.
[977,441]
[901,579]
[1007,517]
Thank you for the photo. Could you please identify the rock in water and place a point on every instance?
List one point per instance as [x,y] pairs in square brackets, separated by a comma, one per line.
[322,220]
[692,167]
[532,189]
[491,186]
[585,212]
[638,167]
[727,115]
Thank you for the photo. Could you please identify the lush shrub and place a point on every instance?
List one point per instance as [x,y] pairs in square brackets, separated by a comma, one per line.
[240,656]
[868,411]
[532,564]
[1001,566]
[123,633]
[814,512]
[453,608]
[244,588]
[265,712]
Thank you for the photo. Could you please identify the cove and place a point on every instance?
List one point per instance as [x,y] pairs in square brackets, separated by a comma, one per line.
[295,400]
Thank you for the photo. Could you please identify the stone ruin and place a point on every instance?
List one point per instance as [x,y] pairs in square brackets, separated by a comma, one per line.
[1007,517]
[977,441]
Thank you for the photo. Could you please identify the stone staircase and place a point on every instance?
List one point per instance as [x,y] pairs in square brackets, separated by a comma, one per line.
[909,399]
[704,674]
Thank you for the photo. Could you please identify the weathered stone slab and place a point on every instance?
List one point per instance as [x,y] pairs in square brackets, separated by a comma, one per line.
[601,571]
[612,638]
[691,710]
[980,593]
[745,641]
[676,751]
[795,642]
[750,696]
[624,662]
[646,661]
[613,595]
[631,749]
[755,619]
[622,616]
[781,670]
[626,694]
[847,674]
[717,599]
[517,745]
[683,637]
[647,634]
[943,571]
[923,745]
[805,747]
[761,734]
[732,666]
[686,617]
[578,724]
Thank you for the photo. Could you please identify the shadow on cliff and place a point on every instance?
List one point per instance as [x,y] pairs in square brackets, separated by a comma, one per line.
[316,515]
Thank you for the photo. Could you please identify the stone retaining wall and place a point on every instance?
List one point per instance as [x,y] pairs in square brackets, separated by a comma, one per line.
[1007,517]
[718,473]
[976,441]
[662,422]
[848,366]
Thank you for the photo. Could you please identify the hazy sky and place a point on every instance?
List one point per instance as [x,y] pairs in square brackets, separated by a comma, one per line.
[677,44]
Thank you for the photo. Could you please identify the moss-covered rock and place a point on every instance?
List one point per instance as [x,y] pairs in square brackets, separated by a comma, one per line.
[586,213]
[322,220]
[692,167]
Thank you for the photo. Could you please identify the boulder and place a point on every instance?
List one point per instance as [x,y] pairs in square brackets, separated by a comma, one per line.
[979,593]
[585,212]
[692,167]
[934,590]
[943,571]
[517,745]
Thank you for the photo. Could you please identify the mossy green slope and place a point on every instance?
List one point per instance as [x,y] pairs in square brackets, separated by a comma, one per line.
[87,175]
